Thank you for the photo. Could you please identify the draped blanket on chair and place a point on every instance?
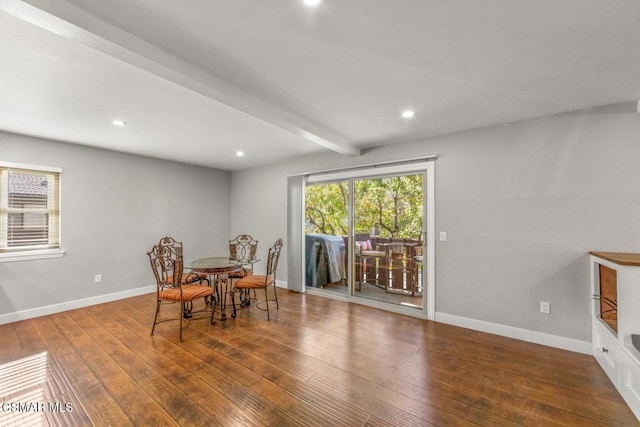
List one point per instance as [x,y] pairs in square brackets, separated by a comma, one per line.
[325,259]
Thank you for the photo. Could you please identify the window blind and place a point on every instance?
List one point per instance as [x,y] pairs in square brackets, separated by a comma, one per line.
[29,209]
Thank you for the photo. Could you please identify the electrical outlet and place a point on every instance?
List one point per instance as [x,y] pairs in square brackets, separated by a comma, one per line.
[545,307]
[98,278]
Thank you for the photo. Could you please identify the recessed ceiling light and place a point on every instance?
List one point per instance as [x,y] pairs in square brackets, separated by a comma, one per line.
[408,114]
[240,153]
[312,2]
[119,123]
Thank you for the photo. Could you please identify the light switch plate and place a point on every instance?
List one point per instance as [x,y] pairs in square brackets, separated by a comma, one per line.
[443,236]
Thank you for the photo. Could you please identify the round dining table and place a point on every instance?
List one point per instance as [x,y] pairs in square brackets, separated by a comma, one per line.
[218,269]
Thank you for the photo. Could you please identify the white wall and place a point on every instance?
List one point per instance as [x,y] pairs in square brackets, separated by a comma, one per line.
[114,208]
[522,204]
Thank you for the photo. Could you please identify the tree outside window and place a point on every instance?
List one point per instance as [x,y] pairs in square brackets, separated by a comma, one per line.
[393,205]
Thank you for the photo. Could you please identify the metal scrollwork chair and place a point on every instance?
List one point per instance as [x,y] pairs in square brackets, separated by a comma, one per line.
[187,278]
[258,281]
[172,244]
[167,263]
[243,248]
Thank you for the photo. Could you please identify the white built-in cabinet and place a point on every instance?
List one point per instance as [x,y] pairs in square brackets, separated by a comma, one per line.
[615,284]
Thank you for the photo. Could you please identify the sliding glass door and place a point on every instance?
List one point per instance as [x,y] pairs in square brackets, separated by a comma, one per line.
[367,237]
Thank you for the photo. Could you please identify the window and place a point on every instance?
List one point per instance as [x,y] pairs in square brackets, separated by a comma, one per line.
[29,211]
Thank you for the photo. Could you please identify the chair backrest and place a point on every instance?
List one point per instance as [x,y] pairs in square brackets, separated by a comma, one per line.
[170,244]
[166,263]
[243,248]
[273,257]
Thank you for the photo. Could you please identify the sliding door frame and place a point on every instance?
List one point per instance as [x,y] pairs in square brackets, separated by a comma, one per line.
[424,166]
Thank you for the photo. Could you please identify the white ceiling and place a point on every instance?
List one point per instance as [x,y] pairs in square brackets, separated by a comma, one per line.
[196,81]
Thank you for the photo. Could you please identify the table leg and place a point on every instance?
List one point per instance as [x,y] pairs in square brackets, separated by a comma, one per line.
[221,290]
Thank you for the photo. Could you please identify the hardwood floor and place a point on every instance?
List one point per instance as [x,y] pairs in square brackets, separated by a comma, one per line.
[318,362]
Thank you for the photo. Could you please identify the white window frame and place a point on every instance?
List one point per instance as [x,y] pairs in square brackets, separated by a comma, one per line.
[25,254]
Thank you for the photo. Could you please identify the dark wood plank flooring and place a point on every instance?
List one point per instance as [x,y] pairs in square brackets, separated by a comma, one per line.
[319,362]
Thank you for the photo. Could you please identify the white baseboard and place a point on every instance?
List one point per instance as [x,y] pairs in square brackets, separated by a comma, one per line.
[478,325]
[517,333]
[71,305]
[86,302]
[542,338]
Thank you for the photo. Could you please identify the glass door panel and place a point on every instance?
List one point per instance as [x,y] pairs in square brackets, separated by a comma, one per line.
[326,236]
[388,221]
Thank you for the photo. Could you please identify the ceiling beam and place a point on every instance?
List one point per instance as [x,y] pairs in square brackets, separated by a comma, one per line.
[76,24]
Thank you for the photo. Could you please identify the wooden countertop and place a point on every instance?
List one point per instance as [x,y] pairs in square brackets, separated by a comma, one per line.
[619,257]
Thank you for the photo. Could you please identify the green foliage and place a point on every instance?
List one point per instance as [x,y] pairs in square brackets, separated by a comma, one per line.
[326,209]
[393,203]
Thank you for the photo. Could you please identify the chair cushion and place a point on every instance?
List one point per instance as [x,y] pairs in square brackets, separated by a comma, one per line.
[255,281]
[239,274]
[363,246]
[189,293]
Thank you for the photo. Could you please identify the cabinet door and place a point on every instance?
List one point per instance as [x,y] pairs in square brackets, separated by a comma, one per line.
[606,350]
[629,386]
